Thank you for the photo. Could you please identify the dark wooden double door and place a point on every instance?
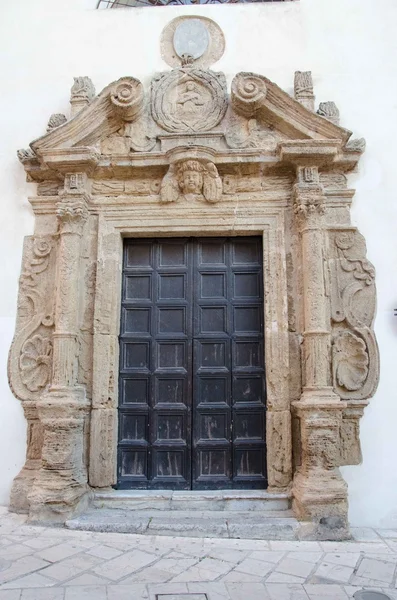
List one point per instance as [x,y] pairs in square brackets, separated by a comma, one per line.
[192,385]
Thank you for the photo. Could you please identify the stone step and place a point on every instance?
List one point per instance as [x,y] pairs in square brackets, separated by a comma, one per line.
[269,525]
[192,500]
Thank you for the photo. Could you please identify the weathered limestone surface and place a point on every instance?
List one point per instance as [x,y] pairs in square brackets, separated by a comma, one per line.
[185,159]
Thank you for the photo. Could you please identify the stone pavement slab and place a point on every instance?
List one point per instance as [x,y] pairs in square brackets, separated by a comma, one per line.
[38,563]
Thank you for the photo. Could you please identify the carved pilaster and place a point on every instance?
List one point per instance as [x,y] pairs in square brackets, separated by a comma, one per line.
[62,480]
[319,491]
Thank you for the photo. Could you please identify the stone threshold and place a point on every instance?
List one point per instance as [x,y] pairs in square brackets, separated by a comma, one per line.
[270,525]
[192,500]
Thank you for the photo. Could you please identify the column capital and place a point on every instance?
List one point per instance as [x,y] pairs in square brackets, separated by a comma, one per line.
[72,214]
[309,197]
[72,210]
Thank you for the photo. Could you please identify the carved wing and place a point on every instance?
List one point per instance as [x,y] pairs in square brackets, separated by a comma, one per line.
[212,186]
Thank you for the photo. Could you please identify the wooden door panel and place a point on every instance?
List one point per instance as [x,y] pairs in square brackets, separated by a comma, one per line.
[192,338]
[155,368]
[228,366]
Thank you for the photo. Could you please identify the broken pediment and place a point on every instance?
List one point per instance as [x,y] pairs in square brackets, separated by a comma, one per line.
[185,107]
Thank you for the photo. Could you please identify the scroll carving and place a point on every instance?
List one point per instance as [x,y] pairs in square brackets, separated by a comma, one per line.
[355,354]
[248,93]
[127,98]
[192,180]
[30,358]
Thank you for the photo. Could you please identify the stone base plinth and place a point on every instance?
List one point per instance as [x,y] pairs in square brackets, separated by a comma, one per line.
[22,485]
[320,498]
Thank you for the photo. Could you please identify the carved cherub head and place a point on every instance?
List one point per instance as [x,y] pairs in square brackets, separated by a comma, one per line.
[190,177]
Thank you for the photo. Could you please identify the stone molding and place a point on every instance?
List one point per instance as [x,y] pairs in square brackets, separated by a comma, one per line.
[186,161]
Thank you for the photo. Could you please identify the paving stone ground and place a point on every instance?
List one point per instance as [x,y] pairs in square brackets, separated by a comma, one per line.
[38,563]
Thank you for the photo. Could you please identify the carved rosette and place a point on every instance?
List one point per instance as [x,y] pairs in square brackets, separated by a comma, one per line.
[35,362]
[189,100]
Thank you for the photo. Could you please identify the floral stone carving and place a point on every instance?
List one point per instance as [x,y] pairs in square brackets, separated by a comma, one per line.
[35,362]
[189,99]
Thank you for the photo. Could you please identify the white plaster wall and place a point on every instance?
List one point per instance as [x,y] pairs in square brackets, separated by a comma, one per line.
[350,46]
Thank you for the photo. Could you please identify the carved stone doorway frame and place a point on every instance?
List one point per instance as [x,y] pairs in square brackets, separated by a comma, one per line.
[259,162]
[269,224]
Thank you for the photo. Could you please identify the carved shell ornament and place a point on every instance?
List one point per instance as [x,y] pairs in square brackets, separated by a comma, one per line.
[189,100]
[350,361]
[35,362]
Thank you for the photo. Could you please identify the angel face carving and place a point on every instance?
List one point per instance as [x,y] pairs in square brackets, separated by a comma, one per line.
[190,177]
[191,180]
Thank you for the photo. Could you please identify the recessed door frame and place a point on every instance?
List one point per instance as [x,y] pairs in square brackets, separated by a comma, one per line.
[149,223]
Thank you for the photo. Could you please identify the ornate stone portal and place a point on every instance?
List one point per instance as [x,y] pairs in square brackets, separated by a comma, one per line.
[187,160]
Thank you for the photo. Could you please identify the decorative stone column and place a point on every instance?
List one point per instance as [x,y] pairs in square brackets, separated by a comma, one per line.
[319,492]
[62,480]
